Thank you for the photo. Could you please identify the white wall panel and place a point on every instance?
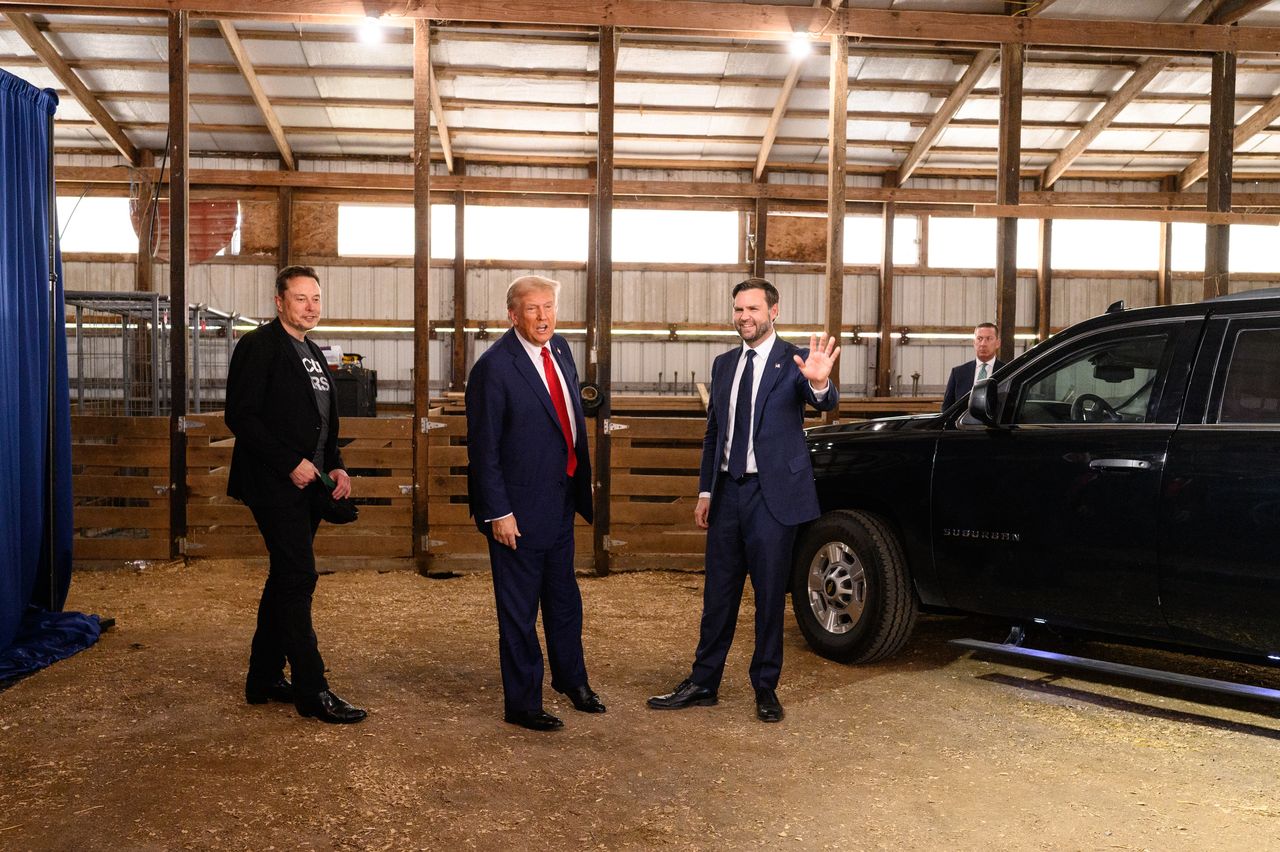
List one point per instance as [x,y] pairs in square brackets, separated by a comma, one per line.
[487,292]
[1076,299]
[113,277]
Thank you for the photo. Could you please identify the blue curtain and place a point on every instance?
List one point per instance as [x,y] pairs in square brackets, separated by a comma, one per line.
[35,421]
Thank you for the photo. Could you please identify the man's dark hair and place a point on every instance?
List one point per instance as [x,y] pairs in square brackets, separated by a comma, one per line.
[770,291]
[989,325]
[290,272]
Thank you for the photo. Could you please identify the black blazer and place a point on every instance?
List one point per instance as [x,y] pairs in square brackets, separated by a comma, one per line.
[271,409]
[516,453]
[961,381]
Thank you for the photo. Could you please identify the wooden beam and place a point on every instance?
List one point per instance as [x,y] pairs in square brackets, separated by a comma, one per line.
[981,62]
[1224,11]
[762,19]
[1164,263]
[780,106]
[241,57]
[442,127]
[884,344]
[837,142]
[421,291]
[1255,124]
[1008,175]
[284,226]
[1217,261]
[60,69]
[144,268]
[1049,211]
[761,238]
[604,299]
[1044,281]
[179,154]
[458,368]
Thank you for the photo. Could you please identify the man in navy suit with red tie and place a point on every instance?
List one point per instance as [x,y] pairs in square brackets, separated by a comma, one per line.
[756,487]
[528,473]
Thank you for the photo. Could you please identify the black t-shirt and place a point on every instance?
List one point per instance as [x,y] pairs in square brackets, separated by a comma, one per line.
[318,372]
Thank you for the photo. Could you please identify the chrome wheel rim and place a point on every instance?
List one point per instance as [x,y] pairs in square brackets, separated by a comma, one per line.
[837,588]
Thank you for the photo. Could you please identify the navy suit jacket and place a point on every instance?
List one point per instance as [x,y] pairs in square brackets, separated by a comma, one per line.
[961,380]
[782,458]
[271,409]
[516,453]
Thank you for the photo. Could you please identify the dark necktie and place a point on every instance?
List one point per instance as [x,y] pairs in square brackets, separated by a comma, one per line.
[562,410]
[982,372]
[742,420]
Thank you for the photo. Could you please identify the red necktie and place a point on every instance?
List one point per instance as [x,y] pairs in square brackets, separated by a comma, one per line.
[562,411]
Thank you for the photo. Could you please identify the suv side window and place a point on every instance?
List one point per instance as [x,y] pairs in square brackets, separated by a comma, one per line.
[1252,390]
[1111,382]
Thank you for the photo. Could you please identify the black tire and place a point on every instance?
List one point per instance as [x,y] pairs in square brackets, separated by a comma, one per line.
[852,558]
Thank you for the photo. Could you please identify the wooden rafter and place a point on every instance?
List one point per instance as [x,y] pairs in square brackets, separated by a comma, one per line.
[1252,126]
[955,99]
[780,108]
[1221,11]
[442,129]
[241,57]
[55,63]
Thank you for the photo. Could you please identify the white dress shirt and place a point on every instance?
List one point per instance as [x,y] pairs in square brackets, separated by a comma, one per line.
[991,368]
[763,351]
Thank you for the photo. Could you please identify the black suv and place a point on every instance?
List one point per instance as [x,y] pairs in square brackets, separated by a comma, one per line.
[1121,477]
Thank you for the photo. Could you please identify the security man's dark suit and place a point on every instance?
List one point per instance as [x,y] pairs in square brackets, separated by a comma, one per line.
[272,411]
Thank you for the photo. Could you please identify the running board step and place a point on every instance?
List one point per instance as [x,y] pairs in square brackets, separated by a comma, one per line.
[1225,687]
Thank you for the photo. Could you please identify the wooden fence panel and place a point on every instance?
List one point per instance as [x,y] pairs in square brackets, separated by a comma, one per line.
[119,479]
[378,455]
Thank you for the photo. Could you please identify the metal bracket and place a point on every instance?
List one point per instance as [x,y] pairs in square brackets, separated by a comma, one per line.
[186,424]
[610,427]
[427,425]
[182,546]
[428,542]
[611,543]
[161,490]
[407,489]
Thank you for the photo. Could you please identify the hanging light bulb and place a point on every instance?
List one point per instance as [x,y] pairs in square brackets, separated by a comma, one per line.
[801,45]
[371,30]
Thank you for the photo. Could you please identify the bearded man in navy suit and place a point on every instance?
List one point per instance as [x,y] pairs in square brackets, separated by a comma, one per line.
[528,473]
[755,488]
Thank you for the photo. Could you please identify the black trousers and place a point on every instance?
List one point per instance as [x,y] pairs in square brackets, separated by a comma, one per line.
[743,540]
[284,614]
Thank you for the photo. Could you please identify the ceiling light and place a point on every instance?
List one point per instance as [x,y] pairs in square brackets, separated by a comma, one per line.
[371,30]
[801,45]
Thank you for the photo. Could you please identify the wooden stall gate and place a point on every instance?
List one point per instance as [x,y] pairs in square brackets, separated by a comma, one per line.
[120,483]
[379,457]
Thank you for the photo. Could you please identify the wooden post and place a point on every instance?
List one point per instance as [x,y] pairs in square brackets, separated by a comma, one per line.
[284,226]
[1044,282]
[760,255]
[593,276]
[179,151]
[421,282]
[884,345]
[458,368]
[144,276]
[604,294]
[1007,176]
[1164,271]
[837,139]
[1222,102]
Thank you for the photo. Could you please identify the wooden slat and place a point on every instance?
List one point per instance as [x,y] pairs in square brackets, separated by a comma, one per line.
[678,514]
[88,425]
[121,517]
[665,428]
[656,457]
[654,486]
[236,514]
[111,485]
[83,549]
[651,540]
[117,455]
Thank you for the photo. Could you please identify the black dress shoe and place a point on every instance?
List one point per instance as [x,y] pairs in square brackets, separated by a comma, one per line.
[534,720]
[585,699]
[277,690]
[768,708]
[328,707]
[687,694]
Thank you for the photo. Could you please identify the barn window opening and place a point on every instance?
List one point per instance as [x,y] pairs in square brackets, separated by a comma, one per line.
[386,230]
[98,225]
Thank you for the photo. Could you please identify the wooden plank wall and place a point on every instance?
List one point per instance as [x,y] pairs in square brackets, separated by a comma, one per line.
[120,474]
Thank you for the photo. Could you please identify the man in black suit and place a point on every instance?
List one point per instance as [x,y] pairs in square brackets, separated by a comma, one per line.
[756,488]
[284,414]
[986,343]
[529,472]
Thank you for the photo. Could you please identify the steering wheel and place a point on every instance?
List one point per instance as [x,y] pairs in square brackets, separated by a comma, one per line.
[1091,408]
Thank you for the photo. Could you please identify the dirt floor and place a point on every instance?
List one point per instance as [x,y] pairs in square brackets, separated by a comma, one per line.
[143,742]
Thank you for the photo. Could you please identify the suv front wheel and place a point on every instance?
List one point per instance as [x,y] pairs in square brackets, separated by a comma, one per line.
[851,589]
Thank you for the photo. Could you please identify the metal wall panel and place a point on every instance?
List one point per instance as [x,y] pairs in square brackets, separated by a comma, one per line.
[1076,299]
[487,293]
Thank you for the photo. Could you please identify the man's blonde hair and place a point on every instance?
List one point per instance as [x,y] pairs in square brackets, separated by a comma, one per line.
[526,283]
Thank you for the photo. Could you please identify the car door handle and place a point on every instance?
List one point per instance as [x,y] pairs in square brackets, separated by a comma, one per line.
[1120,464]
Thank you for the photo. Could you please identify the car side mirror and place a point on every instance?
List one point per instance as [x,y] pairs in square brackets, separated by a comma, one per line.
[984,402]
